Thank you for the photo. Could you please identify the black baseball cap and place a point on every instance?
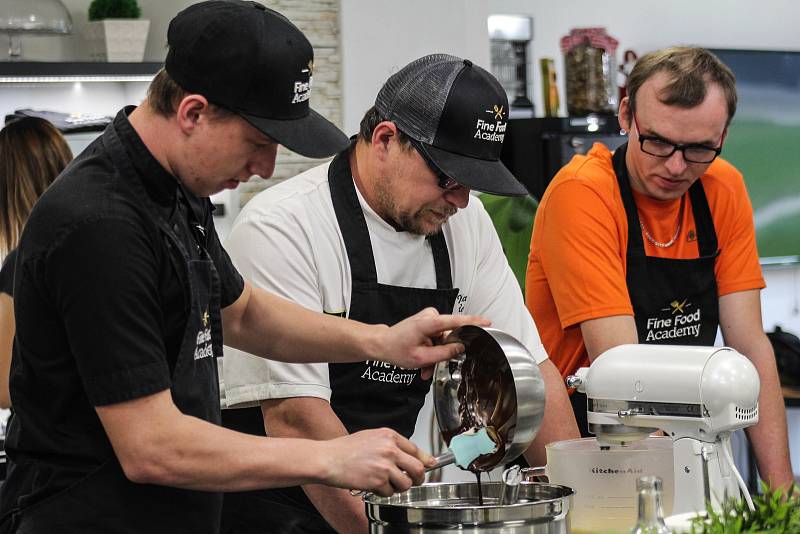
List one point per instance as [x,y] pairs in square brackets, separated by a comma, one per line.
[457,113]
[253,61]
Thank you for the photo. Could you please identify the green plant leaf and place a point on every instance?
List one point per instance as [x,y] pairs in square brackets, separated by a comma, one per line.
[114,9]
[775,513]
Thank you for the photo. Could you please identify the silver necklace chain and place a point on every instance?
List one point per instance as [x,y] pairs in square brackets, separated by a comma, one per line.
[677,230]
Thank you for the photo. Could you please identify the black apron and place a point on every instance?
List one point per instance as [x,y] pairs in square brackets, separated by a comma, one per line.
[364,394]
[675,301]
[106,501]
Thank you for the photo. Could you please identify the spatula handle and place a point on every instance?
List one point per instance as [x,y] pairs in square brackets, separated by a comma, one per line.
[442,460]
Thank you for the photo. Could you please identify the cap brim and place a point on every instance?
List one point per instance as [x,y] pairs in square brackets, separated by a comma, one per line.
[312,136]
[486,176]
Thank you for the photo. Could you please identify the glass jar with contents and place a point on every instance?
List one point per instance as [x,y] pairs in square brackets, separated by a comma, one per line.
[590,71]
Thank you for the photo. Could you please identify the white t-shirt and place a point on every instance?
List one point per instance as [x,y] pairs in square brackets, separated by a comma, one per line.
[287,240]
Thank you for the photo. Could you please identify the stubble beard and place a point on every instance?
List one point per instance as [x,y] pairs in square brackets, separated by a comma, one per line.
[406,221]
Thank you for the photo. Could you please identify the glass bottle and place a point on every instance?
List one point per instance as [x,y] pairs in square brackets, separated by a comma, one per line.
[651,515]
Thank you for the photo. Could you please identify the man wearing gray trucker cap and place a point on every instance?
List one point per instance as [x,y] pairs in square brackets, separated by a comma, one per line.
[123,292]
[384,230]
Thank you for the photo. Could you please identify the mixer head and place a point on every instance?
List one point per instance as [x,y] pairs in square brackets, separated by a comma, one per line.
[698,392]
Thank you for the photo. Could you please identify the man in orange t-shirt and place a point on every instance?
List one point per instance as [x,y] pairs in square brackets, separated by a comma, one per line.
[624,243]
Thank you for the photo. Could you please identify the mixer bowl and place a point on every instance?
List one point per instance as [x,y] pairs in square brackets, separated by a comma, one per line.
[604,479]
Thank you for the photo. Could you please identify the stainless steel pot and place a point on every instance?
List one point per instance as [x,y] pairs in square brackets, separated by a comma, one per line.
[442,508]
[495,383]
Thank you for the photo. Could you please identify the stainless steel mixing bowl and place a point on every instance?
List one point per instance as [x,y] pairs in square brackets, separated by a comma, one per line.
[495,383]
[442,508]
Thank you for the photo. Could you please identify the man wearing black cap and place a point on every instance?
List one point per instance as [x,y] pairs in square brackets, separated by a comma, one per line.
[123,291]
[384,230]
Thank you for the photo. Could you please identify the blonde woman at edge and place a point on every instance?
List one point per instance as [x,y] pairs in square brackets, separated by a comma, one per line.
[32,153]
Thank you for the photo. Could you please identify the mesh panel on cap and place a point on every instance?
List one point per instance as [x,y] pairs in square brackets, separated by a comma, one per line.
[415,96]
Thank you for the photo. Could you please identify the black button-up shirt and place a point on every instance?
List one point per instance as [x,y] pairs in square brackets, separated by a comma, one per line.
[101,305]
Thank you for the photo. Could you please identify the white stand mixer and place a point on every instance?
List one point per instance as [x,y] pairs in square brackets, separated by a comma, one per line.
[697,395]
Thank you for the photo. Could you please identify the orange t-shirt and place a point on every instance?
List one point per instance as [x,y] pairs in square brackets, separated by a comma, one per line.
[577,265]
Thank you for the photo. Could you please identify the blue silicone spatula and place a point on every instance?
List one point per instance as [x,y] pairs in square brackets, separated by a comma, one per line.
[465,448]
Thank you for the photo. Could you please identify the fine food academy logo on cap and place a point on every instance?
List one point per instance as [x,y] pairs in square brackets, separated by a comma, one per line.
[302,90]
[493,131]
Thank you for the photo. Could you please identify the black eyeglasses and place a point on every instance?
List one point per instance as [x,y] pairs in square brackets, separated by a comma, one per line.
[443,181]
[692,153]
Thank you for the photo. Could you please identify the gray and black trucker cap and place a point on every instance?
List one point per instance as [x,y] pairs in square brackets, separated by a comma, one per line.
[255,62]
[458,113]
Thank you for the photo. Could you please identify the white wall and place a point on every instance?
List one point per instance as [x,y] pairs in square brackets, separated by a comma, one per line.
[381,36]
[780,301]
